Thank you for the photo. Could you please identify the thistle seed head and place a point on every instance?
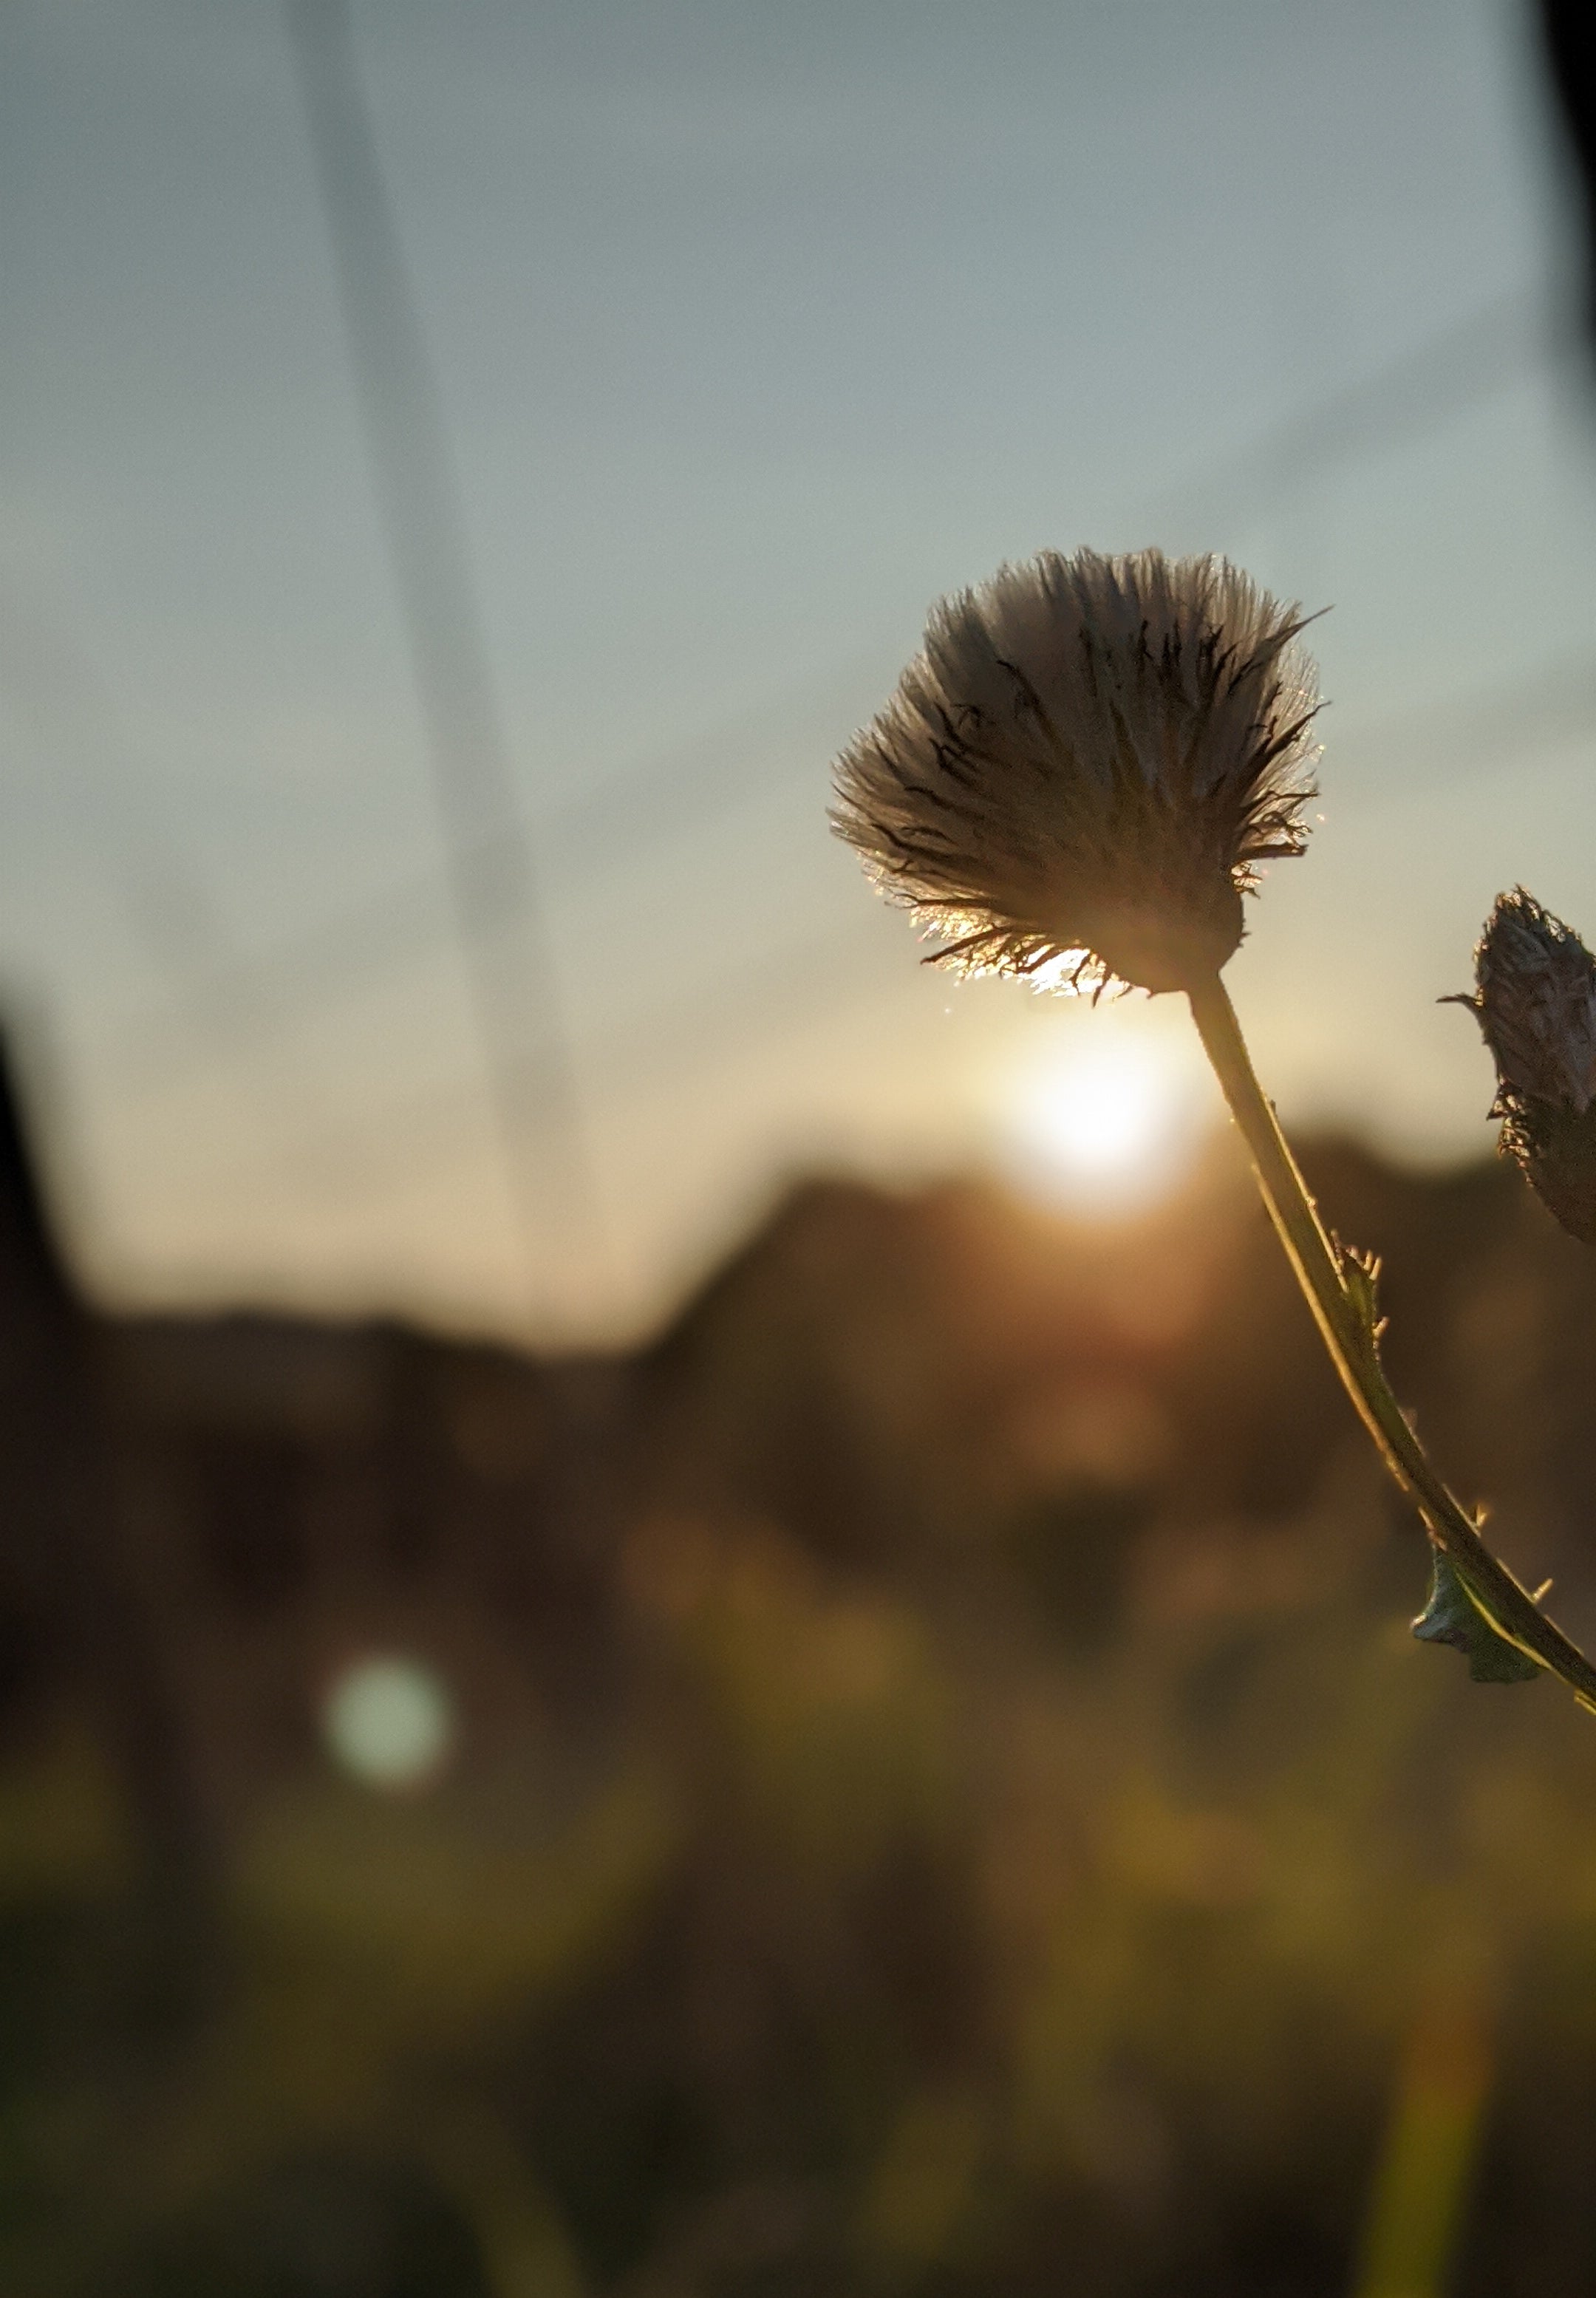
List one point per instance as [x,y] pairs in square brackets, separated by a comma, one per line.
[1078,775]
[1535,999]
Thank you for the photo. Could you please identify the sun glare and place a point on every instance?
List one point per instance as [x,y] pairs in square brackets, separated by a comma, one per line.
[1109,1120]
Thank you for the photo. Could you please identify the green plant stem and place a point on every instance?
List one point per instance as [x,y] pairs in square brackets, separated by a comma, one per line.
[1340,1291]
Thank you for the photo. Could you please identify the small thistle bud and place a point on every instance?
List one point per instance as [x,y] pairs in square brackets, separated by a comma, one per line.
[1536,1002]
[1077,777]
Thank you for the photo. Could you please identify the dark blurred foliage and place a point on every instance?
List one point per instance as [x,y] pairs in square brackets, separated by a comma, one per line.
[946,1799]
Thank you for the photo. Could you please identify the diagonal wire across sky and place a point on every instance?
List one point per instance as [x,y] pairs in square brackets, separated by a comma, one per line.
[493,872]
[1464,364]
[492,877]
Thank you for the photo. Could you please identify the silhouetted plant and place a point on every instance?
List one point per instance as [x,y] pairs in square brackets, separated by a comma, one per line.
[1074,783]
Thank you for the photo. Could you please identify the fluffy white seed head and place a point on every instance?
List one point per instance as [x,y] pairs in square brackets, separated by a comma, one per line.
[1077,777]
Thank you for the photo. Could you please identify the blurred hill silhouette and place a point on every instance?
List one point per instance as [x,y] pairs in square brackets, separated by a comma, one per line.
[943,1798]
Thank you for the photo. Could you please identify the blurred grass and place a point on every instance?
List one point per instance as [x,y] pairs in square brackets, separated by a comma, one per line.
[1422,2187]
[994,1834]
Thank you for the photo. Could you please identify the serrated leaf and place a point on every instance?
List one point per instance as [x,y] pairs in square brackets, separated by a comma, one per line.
[1451,1616]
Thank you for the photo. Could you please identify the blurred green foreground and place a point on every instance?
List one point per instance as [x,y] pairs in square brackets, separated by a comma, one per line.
[940,1796]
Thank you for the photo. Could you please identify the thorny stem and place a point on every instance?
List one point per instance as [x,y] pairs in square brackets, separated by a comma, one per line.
[1340,1291]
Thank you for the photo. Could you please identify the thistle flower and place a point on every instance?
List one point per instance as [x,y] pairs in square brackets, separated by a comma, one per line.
[1536,1002]
[1077,777]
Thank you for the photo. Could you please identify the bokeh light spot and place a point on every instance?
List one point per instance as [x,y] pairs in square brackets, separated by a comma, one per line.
[389,1721]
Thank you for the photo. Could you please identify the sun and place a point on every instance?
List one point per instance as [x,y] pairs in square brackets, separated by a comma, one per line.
[1108,1118]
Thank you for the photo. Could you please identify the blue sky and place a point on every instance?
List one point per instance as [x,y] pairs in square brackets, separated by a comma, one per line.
[756,327]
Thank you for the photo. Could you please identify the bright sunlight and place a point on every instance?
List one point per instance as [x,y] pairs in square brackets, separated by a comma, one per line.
[1106,1120]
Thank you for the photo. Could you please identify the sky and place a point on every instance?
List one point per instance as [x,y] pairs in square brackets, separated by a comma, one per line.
[756,325]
